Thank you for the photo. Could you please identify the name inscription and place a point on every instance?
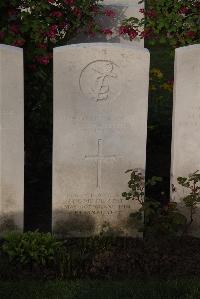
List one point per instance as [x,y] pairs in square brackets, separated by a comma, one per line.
[98,204]
[101,122]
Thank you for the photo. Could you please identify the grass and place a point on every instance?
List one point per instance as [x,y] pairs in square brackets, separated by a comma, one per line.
[85,289]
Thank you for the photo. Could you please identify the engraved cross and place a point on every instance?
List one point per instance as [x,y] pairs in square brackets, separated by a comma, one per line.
[99,158]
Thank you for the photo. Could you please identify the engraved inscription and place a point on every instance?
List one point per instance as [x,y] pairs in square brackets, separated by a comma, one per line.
[95,209]
[97,78]
[100,122]
[99,157]
[103,206]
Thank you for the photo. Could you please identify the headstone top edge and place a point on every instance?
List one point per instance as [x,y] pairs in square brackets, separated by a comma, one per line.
[135,5]
[121,2]
[96,45]
[190,47]
[11,48]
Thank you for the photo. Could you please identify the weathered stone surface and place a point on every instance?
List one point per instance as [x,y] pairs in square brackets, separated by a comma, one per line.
[123,9]
[11,139]
[100,124]
[186,123]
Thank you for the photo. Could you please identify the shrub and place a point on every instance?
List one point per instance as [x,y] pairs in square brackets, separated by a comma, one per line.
[172,22]
[32,248]
[38,25]
[192,199]
[152,218]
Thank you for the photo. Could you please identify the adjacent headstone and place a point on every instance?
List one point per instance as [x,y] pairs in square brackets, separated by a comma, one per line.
[100,126]
[11,139]
[186,123]
[123,9]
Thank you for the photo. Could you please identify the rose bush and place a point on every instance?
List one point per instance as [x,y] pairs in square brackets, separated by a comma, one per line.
[40,25]
[173,22]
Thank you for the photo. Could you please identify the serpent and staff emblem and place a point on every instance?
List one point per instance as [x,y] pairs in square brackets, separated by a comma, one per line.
[96,79]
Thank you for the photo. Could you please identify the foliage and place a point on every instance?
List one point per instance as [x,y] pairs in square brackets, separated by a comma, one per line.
[172,22]
[32,248]
[192,184]
[38,26]
[80,254]
[152,217]
[116,259]
[161,90]
[41,251]
[158,82]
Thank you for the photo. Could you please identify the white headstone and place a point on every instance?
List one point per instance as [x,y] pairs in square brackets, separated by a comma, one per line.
[186,123]
[123,9]
[100,126]
[11,139]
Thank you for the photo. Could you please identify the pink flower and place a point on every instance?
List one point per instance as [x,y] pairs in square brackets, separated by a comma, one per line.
[77,12]
[190,33]
[63,25]
[52,31]
[69,2]
[150,13]
[42,46]
[51,1]
[94,9]
[146,33]
[110,13]
[132,34]
[43,59]
[54,27]
[184,10]
[123,30]
[106,31]
[56,14]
